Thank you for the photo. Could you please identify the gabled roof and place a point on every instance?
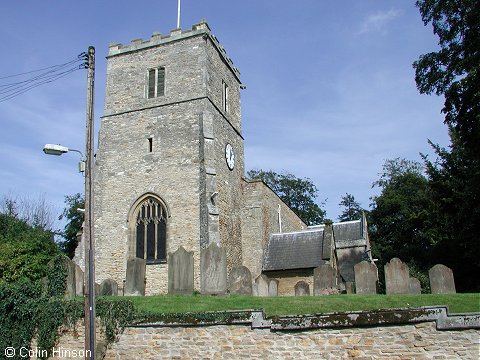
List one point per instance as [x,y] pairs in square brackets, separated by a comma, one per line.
[346,234]
[297,250]
[303,249]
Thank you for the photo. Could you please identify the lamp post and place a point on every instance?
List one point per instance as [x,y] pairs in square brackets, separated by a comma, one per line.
[86,165]
[57,150]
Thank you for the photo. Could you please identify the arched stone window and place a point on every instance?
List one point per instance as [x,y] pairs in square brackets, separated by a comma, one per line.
[151,231]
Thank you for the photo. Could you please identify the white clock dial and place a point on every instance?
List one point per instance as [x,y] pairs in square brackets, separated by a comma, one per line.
[230,156]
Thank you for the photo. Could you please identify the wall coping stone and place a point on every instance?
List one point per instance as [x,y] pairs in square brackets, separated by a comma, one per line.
[257,320]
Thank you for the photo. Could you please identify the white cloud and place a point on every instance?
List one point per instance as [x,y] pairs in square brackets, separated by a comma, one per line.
[378,21]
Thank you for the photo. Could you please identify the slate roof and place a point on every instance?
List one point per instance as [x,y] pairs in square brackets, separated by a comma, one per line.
[348,230]
[297,250]
[303,249]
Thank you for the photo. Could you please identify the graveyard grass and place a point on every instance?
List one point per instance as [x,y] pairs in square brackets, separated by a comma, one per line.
[291,305]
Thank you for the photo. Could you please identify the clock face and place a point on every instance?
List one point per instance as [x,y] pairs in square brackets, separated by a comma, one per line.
[229,156]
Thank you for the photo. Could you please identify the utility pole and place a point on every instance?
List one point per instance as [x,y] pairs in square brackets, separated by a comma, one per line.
[89,288]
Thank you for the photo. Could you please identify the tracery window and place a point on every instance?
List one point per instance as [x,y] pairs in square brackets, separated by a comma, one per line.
[151,231]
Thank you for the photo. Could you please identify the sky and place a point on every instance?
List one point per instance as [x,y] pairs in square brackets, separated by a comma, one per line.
[330,90]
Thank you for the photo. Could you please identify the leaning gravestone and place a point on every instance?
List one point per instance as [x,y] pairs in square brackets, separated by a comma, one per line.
[69,267]
[273,287]
[213,270]
[240,281]
[135,278]
[324,280]
[78,280]
[180,272]
[366,277]
[441,280]
[414,286]
[109,287]
[302,289]
[261,285]
[397,278]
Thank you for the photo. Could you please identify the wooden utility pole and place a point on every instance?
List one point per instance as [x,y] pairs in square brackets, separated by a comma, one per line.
[88,230]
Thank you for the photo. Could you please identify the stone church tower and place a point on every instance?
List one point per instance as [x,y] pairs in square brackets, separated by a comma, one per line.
[169,166]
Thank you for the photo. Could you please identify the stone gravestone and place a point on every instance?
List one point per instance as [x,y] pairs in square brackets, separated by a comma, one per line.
[350,287]
[324,282]
[109,287]
[180,272]
[441,280]
[240,281]
[366,277]
[78,280]
[397,278]
[70,280]
[135,278]
[96,287]
[273,287]
[261,285]
[414,286]
[302,289]
[213,270]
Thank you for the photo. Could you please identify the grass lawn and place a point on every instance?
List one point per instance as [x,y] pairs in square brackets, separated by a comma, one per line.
[457,303]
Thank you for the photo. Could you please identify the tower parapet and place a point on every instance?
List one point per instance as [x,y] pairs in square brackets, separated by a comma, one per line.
[200,29]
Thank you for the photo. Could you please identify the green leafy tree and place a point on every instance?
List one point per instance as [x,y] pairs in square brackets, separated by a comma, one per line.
[454,177]
[24,250]
[454,70]
[400,220]
[352,209]
[74,222]
[298,194]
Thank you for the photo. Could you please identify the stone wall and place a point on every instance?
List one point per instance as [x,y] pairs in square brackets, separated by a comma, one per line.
[260,219]
[415,341]
[287,280]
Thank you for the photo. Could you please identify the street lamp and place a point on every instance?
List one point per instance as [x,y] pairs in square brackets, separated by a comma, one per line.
[89,291]
[57,150]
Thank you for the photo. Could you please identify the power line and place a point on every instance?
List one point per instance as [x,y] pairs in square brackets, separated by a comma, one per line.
[49,74]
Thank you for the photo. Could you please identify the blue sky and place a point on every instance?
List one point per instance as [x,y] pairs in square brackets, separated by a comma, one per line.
[330,86]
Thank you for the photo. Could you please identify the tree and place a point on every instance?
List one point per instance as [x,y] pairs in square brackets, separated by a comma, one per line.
[298,194]
[400,219]
[35,212]
[25,251]
[74,225]
[352,209]
[454,70]
[454,177]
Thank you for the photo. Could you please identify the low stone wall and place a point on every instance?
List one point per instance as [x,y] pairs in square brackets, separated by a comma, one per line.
[254,337]
[420,341]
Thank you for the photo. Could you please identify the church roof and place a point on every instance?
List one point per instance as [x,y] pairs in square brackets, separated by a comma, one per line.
[303,249]
[298,250]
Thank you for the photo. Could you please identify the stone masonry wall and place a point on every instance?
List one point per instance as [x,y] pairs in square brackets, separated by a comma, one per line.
[287,280]
[419,341]
[126,171]
[226,129]
[188,131]
[260,219]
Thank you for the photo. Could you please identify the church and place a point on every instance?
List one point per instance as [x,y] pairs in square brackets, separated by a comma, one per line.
[169,173]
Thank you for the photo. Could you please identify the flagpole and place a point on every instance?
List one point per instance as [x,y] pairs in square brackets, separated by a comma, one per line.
[178,15]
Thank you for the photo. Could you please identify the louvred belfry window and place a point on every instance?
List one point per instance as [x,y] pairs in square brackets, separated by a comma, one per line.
[151,232]
[156,82]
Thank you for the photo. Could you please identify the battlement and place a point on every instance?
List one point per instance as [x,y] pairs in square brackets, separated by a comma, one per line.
[157,39]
